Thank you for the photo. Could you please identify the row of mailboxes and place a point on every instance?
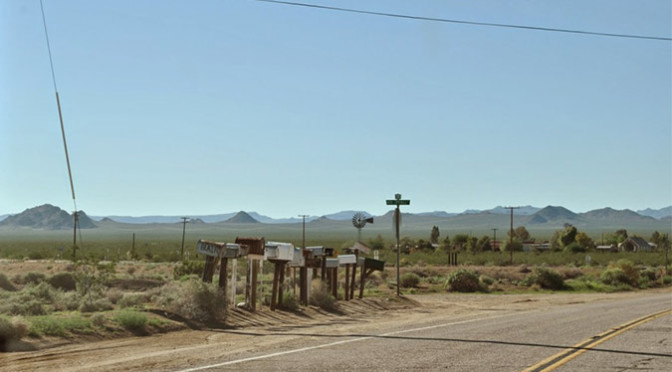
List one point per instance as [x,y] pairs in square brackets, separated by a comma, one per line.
[276,251]
[224,250]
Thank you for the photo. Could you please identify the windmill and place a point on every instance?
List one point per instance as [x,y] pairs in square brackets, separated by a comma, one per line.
[359,220]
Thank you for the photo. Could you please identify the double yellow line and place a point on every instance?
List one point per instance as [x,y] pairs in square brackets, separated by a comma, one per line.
[565,356]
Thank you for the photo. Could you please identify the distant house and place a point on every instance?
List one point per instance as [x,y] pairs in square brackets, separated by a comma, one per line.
[635,244]
[536,247]
[607,248]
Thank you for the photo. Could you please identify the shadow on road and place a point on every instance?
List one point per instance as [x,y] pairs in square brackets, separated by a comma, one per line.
[442,339]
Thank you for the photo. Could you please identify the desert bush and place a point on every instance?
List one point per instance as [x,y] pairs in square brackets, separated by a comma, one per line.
[11,329]
[131,319]
[34,278]
[289,302]
[6,284]
[188,268]
[630,271]
[65,281]
[98,320]
[132,300]
[614,276]
[409,280]
[648,273]
[193,299]
[463,280]
[548,279]
[46,325]
[486,280]
[320,296]
[99,304]
[114,295]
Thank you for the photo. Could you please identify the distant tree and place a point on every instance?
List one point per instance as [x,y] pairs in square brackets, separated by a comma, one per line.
[513,245]
[621,235]
[377,243]
[472,244]
[662,241]
[484,244]
[556,244]
[568,236]
[445,244]
[583,240]
[520,233]
[424,246]
[434,237]
[459,241]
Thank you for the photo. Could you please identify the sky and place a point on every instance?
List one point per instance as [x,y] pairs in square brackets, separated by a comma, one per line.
[213,106]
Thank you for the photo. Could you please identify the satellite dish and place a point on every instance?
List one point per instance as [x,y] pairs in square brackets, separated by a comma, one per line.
[359,220]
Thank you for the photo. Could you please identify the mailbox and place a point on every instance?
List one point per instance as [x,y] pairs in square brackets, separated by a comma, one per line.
[255,246]
[329,252]
[316,251]
[370,263]
[209,248]
[332,263]
[231,250]
[347,259]
[297,260]
[279,251]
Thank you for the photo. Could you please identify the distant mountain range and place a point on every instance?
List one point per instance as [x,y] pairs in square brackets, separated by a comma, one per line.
[49,217]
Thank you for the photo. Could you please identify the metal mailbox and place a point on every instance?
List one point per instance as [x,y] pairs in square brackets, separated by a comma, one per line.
[255,246]
[332,263]
[315,251]
[209,248]
[297,260]
[347,259]
[279,251]
[231,250]
[370,263]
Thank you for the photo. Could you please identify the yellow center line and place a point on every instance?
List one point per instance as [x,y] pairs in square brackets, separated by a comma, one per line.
[568,354]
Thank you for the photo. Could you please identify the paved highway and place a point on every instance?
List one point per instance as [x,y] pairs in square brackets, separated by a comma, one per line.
[506,340]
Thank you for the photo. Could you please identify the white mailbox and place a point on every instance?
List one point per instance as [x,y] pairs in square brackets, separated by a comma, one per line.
[298,260]
[279,251]
[331,263]
[231,250]
[316,251]
[347,259]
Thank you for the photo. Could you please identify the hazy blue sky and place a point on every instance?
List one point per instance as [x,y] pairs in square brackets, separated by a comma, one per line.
[198,107]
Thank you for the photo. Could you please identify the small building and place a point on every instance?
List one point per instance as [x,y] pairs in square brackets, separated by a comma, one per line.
[607,248]
[635,244]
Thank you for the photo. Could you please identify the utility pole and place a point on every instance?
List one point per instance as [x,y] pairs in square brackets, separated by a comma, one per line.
[303,270]
[397,221]
[511,232]
[494,239]
[184,228]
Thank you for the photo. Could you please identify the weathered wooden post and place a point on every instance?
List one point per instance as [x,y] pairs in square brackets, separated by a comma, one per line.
[280,254]
[255,255]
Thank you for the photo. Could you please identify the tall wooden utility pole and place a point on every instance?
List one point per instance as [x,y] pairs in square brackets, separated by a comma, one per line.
[184,228]
[511,232]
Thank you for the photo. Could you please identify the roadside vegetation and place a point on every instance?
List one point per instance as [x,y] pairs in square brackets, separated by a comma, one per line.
[97,297]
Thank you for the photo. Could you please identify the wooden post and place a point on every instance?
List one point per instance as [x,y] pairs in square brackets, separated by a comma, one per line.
[208,269]
[354,272]
[253,285]
[274,294]
[347,282]
[334,284]
[282,283]
[324,267]
[222,275]
[234,274]
[303,285]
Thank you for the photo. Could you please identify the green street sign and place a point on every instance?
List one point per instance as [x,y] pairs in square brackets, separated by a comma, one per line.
[398,202]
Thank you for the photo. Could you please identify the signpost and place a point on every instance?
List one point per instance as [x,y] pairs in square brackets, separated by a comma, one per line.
[397,221]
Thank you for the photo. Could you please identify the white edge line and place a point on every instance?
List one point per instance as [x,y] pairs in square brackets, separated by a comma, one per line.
[265,356]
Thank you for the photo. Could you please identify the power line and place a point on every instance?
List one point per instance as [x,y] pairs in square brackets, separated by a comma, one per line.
[65,143]
[473,23]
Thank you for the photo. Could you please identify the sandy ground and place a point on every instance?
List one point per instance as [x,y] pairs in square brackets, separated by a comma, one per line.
[176,350]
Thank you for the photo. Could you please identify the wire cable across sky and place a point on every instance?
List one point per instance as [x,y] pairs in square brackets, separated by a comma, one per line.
[488,24]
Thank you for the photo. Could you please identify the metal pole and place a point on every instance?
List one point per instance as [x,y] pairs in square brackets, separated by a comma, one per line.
[396,224]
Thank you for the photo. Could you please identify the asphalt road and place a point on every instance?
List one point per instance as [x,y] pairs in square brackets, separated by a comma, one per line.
[506,340]
[444,332]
